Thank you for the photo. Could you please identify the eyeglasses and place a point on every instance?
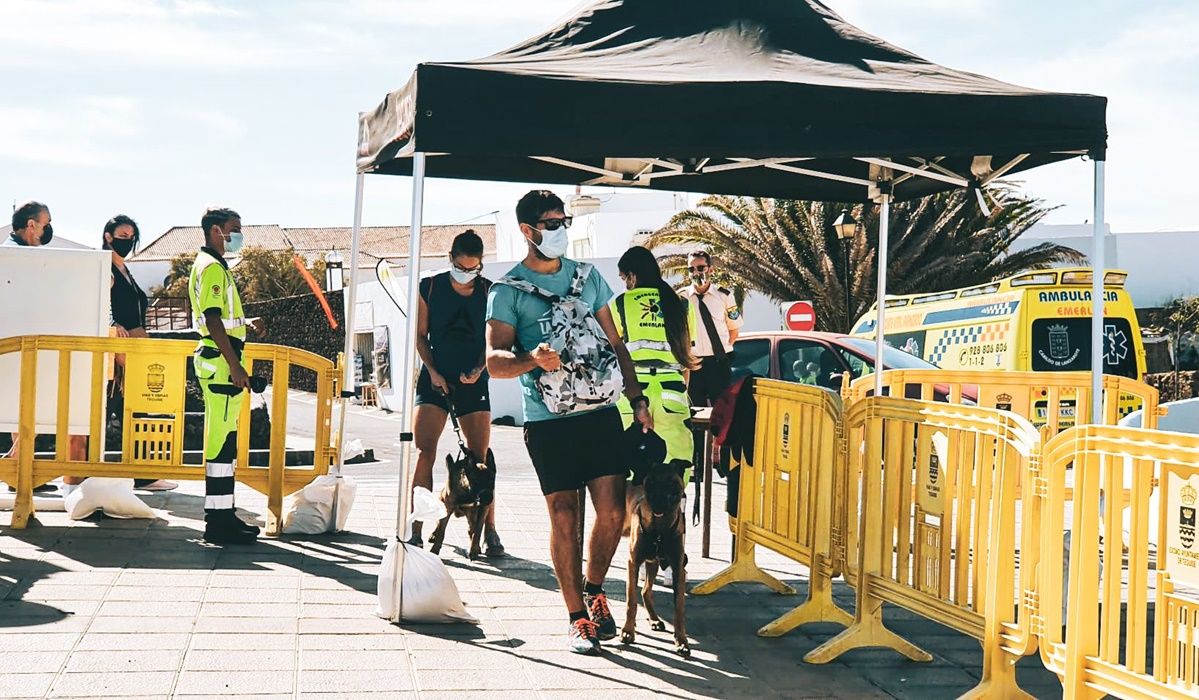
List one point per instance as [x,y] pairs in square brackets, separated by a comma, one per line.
[555,224]
[698,268]
[459,268]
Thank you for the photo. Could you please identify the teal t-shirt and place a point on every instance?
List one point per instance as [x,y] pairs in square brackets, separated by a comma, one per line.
[530,316]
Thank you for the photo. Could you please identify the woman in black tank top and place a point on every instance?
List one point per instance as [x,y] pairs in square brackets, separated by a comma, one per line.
[450,342]
[128,308]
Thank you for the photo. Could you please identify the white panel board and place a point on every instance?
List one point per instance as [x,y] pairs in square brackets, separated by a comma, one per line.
[47,291]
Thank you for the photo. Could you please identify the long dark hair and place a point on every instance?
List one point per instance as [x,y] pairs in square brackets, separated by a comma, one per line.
[642,264]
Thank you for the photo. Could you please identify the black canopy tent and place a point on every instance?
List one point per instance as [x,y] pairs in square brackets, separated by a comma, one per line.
[776,98]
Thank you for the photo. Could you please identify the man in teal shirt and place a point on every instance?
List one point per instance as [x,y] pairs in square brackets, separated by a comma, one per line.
[570,450]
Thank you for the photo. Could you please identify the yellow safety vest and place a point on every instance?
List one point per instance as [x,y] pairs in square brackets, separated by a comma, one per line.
[211,286]
[637,314]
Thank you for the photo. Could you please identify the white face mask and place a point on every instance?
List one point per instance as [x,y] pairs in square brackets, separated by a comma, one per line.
[554,243]
[463,277]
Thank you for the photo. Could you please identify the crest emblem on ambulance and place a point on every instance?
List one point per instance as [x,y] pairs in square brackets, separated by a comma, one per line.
[1186,515]
[1059,342]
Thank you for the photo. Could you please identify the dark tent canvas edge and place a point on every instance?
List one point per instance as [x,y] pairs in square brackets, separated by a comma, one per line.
[756,97]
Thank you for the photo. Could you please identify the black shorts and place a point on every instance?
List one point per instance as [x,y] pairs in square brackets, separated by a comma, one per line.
[568,453]
[468,398]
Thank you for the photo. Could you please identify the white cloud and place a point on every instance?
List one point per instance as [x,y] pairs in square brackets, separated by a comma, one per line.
[86,131]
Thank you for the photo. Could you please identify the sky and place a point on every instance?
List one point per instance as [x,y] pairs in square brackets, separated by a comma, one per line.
[160,108]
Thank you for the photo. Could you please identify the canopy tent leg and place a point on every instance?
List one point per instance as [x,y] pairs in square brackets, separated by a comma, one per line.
[347,357]
[1098,270]
[884,224]
[406,413]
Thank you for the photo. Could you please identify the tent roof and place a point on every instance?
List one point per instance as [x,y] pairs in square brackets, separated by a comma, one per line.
[645,92]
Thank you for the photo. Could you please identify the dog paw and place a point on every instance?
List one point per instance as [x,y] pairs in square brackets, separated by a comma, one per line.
[627,636]
[475,556]
[657,626]
[683,650]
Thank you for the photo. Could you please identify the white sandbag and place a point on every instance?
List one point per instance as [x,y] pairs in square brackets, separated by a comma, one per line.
[113,496]
[310,510]
[43,504]
[430,594]
[352,448]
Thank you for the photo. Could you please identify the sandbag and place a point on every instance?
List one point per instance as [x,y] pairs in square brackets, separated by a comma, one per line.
[310,510]
[113,496]
[429,592]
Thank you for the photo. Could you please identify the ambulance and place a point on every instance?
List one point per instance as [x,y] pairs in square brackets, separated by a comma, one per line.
[1038,321]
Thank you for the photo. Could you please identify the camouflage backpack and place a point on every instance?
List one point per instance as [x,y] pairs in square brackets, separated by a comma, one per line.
[590,375]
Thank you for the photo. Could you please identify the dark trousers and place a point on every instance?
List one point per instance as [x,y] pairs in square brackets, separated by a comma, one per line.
[703,387]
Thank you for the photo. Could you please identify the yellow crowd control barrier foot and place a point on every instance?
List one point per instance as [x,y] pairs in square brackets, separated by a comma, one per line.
[817,609]
[997,689]
[22,509]
[867,632]
[743,570]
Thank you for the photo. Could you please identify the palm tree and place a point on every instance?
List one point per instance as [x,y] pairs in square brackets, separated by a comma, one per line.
[787,249]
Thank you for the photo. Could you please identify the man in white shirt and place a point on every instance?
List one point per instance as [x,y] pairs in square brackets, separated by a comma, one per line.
[719,320]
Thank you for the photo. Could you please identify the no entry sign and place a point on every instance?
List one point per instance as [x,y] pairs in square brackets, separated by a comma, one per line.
[799,316]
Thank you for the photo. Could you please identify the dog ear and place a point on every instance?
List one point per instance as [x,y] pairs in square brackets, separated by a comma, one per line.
[680,466]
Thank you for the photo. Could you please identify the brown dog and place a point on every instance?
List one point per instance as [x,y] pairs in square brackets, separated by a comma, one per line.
[657,529]
[469,493]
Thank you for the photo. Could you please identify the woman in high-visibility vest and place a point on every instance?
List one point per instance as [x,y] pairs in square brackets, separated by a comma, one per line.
[657,328]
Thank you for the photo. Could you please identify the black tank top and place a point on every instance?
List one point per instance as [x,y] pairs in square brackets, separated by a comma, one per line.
[455,324]
[128,301]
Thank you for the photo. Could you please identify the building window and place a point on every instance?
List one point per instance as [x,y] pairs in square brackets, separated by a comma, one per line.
[581,249]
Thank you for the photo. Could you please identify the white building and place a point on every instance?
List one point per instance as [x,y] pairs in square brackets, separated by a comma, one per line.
[1160,264]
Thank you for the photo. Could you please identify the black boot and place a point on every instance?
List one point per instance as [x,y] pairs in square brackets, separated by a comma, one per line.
[223,527]
[244,526]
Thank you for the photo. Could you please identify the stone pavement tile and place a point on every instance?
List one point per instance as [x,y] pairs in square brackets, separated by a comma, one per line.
[474,658]
[387,681]
[416,642]
[336,611]
[244,696]
[25,685]
[472,679]
[51,590]
[46,608]
[235,682]
[163,580]
[948,681]
[615,676]
[609,694]
[239,660]
[356,582]
[113,684]
[358,660]
[245,625]
[131,642]
[352,642]
[364,625]
[123,661]
[243,641]
[36,641]
[157,594]
[344,596]
[32,661]
[252,595]
[133,608]
[257,580]
[270,610]
[138,624]
[44,618]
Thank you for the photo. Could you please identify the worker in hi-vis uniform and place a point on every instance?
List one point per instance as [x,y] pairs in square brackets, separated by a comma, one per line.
[217,314]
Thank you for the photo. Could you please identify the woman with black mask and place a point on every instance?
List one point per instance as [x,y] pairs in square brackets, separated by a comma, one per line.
[129,304]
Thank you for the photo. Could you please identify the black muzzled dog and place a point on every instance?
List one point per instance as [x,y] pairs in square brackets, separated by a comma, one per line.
[469,492]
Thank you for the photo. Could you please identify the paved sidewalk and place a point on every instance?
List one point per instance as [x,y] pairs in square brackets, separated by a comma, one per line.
[108,608]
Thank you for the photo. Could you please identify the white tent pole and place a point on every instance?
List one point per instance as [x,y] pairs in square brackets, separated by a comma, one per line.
[348,324]
[403,498]
[884,224]
[1098,270]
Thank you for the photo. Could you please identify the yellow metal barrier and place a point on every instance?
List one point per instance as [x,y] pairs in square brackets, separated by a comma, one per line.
[152,431]
[935,522]
[1052,401]
[787,499]
[1104,651]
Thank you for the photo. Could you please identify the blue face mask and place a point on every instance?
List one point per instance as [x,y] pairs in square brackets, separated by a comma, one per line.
[234,243]
[554,243]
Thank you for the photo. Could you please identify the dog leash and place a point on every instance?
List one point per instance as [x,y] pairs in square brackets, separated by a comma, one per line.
[449,400]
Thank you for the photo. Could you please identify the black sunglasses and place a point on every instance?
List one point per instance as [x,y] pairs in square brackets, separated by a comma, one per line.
[555,224]
[698,268]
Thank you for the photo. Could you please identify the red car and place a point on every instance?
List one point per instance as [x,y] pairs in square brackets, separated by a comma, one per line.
[820,359]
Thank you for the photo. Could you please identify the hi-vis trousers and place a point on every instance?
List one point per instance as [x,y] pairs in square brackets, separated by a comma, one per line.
[670,409]
[222,409]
